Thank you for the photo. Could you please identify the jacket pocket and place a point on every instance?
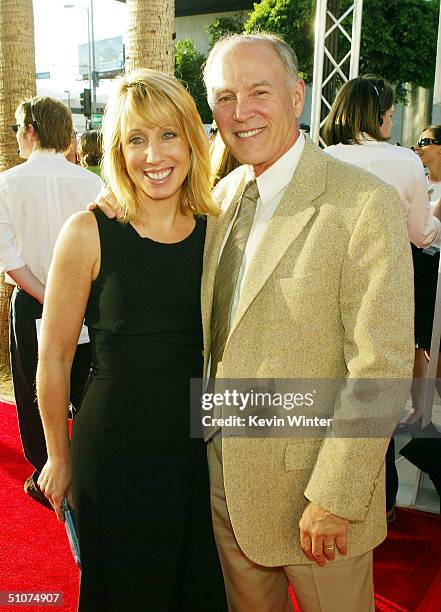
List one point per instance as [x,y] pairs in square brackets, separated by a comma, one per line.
[301,454]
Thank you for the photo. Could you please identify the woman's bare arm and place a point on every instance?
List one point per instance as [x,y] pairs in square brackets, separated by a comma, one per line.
[74,266]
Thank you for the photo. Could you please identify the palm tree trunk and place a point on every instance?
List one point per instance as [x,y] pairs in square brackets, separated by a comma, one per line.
[150,35]
[17,81]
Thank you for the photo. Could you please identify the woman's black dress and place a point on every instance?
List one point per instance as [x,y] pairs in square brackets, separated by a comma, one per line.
[140,484]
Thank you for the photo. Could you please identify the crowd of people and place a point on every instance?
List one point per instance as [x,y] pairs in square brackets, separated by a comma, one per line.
[300,264]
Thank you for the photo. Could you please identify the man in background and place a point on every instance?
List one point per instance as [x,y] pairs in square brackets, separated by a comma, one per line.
[36,198]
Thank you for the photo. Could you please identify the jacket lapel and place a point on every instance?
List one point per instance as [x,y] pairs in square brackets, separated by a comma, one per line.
[290,217]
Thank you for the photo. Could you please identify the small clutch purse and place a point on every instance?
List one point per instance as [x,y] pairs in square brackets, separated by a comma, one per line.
[69,523]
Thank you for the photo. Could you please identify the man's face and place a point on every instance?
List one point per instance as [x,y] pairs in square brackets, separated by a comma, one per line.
[256,108]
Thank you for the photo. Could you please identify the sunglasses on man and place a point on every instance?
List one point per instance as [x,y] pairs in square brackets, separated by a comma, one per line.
[425,142]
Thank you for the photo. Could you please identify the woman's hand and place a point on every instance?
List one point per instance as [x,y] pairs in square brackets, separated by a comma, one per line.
[107,202]
[55,482]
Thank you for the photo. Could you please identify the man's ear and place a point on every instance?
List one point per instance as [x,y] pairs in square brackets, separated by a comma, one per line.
[31,134]
[298,97]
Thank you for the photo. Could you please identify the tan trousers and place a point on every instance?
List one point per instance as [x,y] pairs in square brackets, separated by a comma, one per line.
[343,586]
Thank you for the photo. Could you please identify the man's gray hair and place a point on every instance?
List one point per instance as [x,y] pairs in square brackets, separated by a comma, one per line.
[283,50]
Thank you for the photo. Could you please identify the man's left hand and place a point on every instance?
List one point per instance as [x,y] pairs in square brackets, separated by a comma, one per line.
[321,533]
[108,204]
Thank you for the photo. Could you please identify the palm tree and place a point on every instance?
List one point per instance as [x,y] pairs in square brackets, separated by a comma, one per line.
[150,34]
[17,81]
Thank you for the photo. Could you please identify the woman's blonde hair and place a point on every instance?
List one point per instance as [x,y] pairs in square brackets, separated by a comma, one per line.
[222,160]
[156,99]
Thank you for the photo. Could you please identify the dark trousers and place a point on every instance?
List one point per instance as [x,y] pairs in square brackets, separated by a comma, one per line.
[391,476]
[23,347]
[424,451]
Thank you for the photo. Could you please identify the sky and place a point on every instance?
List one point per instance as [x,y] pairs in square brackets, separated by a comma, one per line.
[59,31]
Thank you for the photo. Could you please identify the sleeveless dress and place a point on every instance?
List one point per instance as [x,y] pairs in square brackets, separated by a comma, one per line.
[140,483]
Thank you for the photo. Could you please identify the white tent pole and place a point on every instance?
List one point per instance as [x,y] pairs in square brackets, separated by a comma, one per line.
[321,50]
[317,79]
[437,85]
[356,39]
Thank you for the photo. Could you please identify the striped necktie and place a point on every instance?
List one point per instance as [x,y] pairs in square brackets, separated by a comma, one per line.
[228,271]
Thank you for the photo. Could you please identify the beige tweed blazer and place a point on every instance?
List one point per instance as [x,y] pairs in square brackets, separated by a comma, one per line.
[328,294]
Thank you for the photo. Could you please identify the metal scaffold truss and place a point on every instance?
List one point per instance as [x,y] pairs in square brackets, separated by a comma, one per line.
[337,42]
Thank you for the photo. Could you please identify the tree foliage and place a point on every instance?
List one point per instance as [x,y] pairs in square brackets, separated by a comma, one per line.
[222,26]
[398,39]
[188,69]
[293,21]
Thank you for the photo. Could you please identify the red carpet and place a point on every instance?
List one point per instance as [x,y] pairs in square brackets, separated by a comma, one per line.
[35,556]
[407,564]
[34,553]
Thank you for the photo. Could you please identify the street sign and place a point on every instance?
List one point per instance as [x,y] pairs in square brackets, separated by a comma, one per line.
[96,120]
[43,75]
[109,57]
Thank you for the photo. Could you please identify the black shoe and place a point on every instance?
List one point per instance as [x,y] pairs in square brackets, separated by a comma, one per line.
[391,516]
[33,491]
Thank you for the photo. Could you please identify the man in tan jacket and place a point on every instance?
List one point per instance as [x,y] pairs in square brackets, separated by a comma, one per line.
[307,275]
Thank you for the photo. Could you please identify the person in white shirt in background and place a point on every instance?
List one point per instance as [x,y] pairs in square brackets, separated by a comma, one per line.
[36,198]
[356,130]
[424,450]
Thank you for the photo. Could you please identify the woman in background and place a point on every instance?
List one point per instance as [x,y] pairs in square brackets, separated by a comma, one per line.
[356,130]
[424,450]
[90,151]
[428,149]
[426,262]
[139,481]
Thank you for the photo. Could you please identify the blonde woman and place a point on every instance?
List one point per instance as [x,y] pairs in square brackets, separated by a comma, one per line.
[138,482]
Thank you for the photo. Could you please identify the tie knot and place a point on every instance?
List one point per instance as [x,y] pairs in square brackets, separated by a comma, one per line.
[251,191]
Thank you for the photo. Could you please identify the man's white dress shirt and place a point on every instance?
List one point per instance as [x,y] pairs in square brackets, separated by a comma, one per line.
[401,168]
[36,198]
[271,185]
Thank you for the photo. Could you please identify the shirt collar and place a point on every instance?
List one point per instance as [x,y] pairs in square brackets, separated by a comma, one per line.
[278,176]
[365,139]
[45,154]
